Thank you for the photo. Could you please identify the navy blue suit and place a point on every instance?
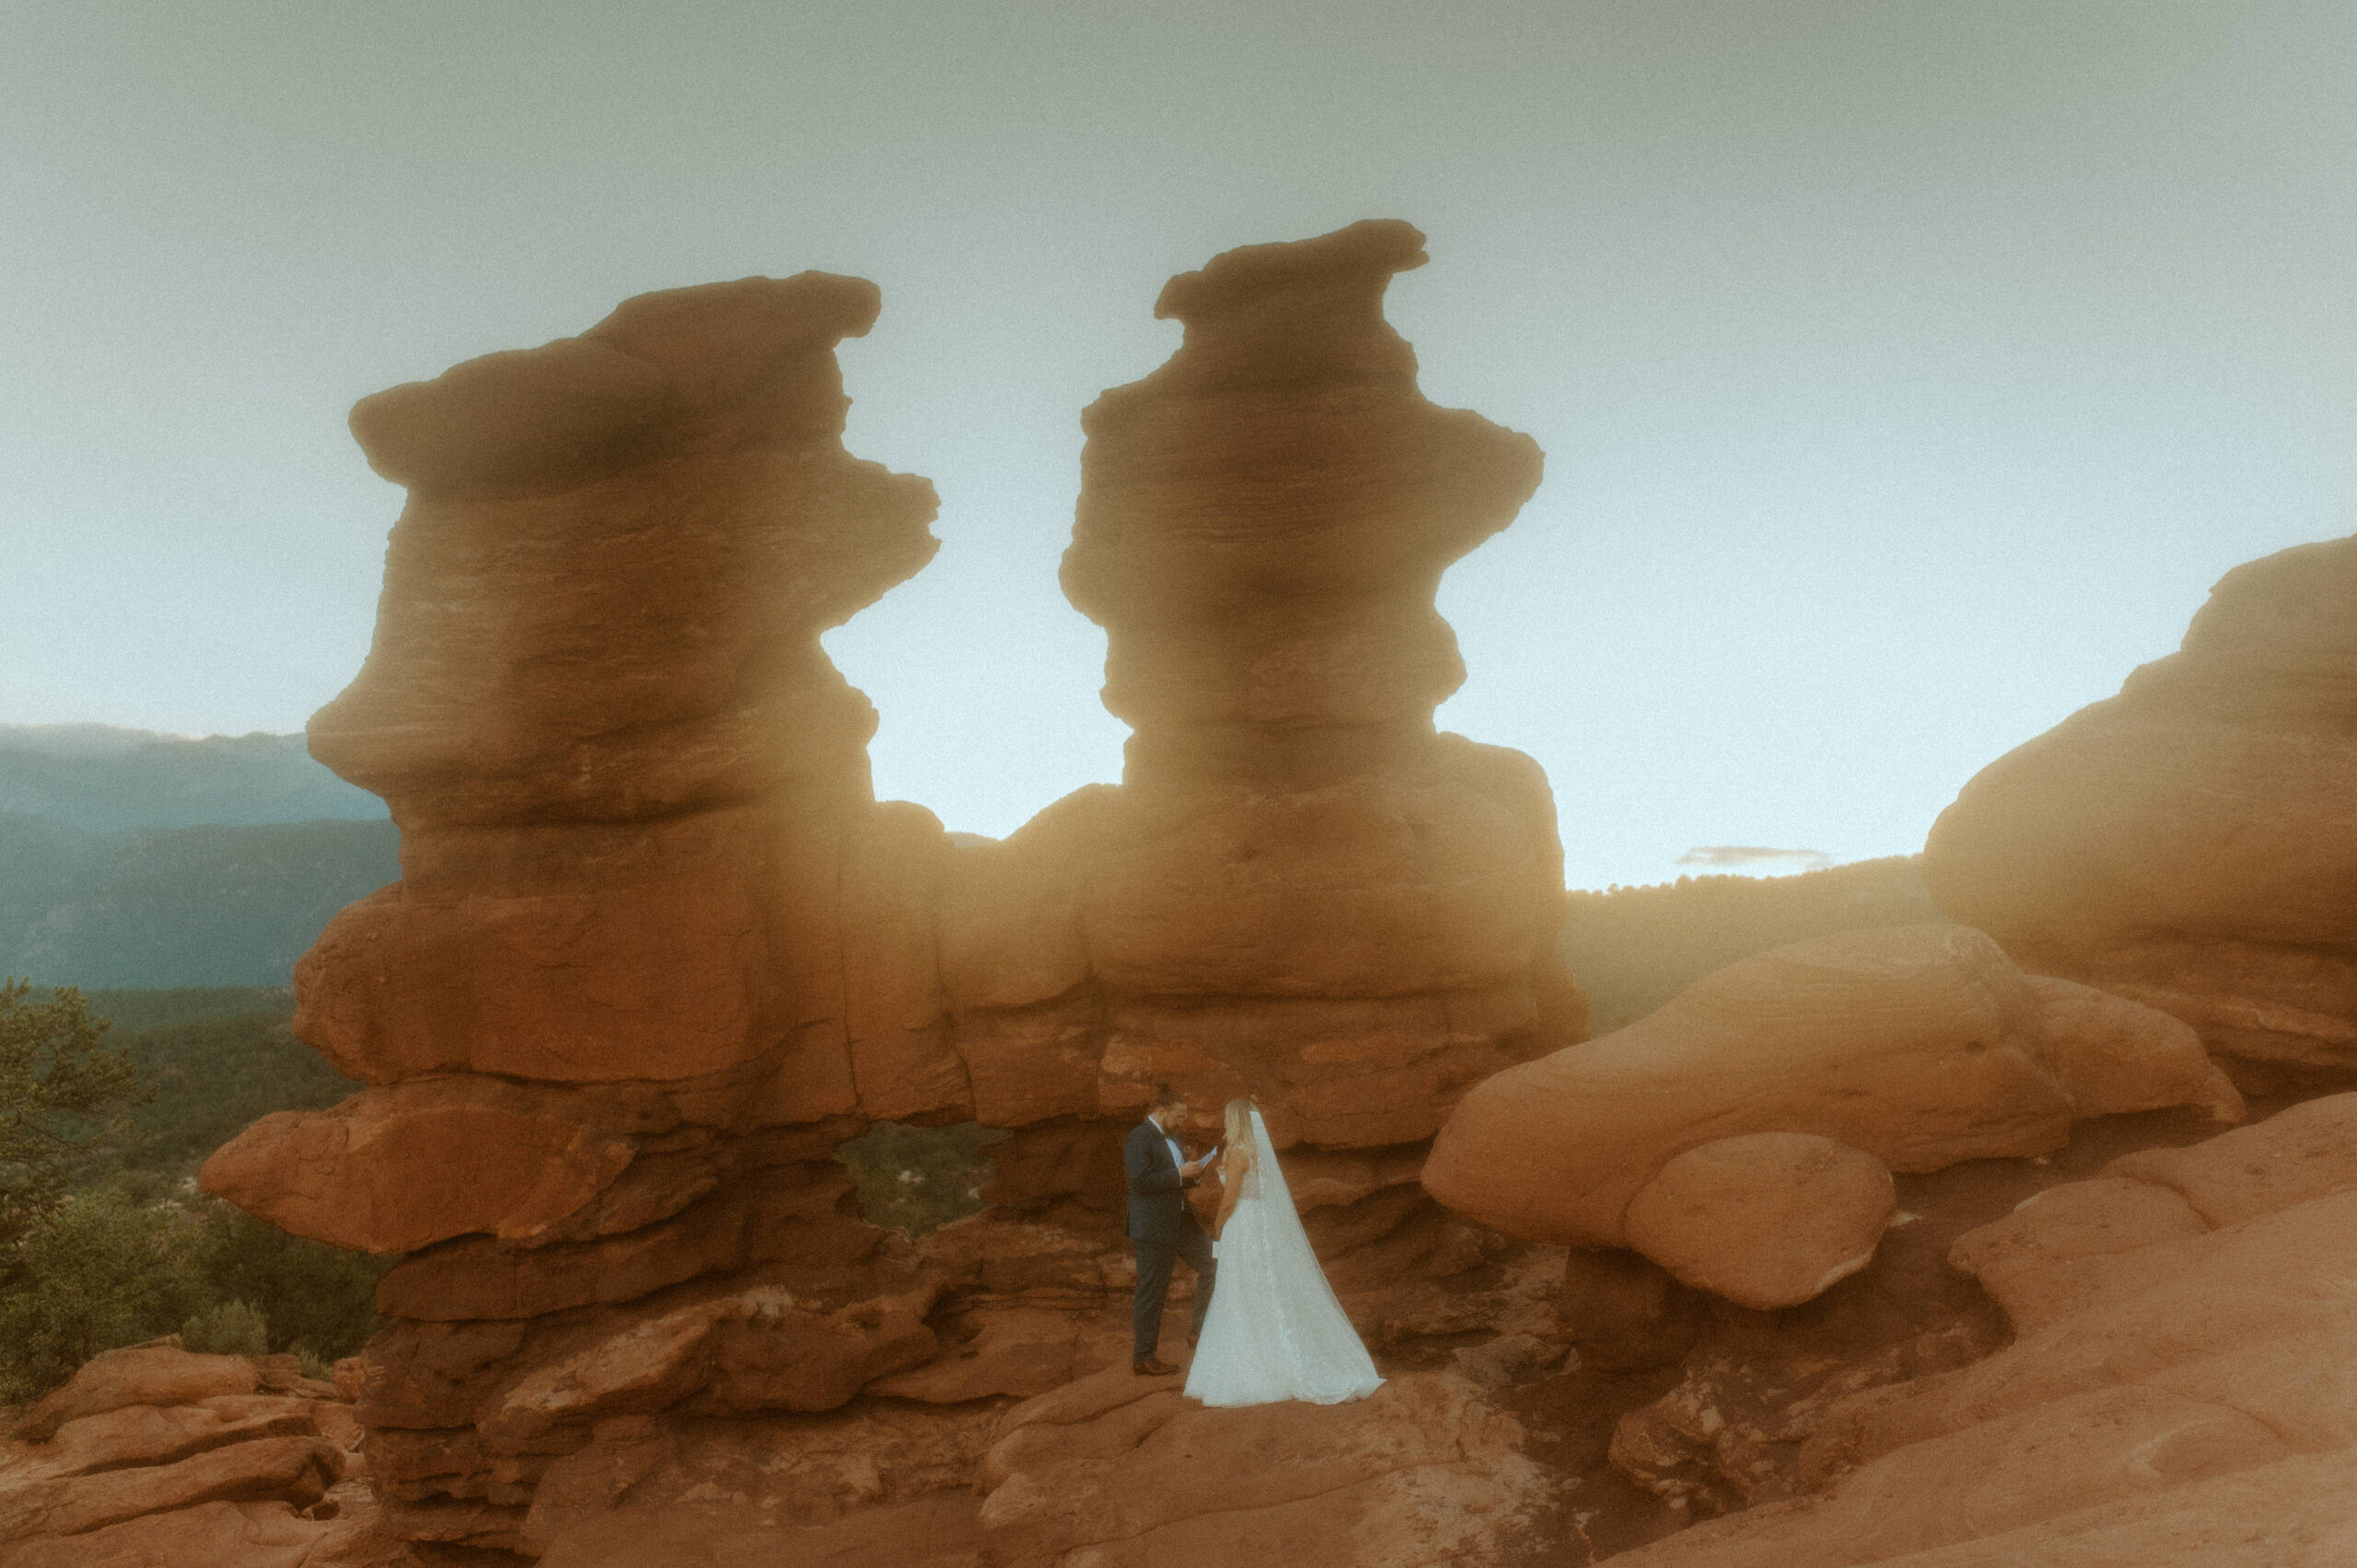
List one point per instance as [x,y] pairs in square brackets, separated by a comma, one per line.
[1164,1226]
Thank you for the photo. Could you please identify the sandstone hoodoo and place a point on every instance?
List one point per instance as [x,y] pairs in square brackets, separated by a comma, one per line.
[656,950]
[2191,842]
[657,953]
[1743,1136]
[633,791]
[1300,890]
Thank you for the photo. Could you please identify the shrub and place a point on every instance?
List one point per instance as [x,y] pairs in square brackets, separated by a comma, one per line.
[55,1077]
[229,1329]
[919,1179]
[313,1296]
[94,1272]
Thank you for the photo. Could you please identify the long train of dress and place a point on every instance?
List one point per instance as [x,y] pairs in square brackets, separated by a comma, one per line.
[1275,1330]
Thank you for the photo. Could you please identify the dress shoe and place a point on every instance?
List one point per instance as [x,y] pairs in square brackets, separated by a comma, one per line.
[1149,1367]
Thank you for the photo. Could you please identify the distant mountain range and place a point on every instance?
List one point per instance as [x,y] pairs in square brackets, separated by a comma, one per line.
[103,780]
[130,859]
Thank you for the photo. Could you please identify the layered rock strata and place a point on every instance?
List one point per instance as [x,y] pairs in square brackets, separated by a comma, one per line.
[2190,841]
[657,952]
[1744,1135]
[155,1455]
[1300,890]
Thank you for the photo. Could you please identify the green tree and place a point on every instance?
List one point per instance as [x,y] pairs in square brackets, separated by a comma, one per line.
[55,1077]
[95,1271]
[315,1298]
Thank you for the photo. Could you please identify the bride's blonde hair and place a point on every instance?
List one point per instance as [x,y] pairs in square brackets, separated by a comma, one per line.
[1239,1124]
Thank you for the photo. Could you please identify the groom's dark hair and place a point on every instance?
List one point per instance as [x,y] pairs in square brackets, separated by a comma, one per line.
[1165,1094]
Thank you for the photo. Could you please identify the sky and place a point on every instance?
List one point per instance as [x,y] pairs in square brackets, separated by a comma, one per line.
[1907,372]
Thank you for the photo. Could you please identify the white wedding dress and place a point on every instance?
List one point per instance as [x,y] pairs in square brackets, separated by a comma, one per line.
[1275,1330]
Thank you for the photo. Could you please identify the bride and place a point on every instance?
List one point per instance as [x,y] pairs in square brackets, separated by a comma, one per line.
[1275,1330]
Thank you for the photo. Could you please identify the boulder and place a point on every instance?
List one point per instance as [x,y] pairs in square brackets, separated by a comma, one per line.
[639,840]
[2115,1056]
[2307,1151]
[2175,1386]
[1916,1047]
[160,1374]
[2189,842]
[295,1470]
[163,1434]
[1765,1219]
[651,921]
[1264,519]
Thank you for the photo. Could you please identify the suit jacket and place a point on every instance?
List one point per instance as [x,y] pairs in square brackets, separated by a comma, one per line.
[1158,1206]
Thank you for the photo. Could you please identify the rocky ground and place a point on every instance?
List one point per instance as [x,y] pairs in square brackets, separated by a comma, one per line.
[2130,1350]
[154,1457]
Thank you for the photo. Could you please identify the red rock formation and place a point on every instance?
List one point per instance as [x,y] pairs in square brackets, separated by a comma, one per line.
[1300,890]
[2174,1394]
[656,951]
[1126,1471]
[2190,841]
[1915,1047]
[637,835]
[656,948]
[152,1455]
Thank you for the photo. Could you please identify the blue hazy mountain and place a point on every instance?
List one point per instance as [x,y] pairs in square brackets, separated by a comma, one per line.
[100,779]
[205,906]
[131,859]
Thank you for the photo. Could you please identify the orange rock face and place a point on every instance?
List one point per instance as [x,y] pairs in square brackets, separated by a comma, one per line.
[1915,1047]
[657,952]
[2174,1394]
[1824,1203]
[1124,1471]
[152,1454]
[2189,842]
[632,787]
[1300,890]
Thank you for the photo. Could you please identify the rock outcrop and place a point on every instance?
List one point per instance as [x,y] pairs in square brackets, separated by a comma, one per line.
[154,1455]
[1300,890]
[1125,1471]
[1743,1135]
[656,951]
[2190,841]
[2175,1393]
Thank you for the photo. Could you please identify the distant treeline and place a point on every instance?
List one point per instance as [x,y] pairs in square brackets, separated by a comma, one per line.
[1633,948]
[178,907]
[218,1059]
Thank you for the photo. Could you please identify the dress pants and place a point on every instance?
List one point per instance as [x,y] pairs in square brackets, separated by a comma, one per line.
[1154,1259]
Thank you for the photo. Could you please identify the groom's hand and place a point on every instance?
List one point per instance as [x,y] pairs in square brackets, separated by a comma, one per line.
[1192,1168]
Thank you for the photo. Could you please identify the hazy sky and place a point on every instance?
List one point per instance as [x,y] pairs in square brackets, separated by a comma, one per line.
[1907,372]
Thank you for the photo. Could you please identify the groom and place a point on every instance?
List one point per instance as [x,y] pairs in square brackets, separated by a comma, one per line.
[1162,1225]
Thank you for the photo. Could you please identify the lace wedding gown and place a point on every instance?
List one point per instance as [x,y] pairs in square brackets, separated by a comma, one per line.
[1275,1330]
